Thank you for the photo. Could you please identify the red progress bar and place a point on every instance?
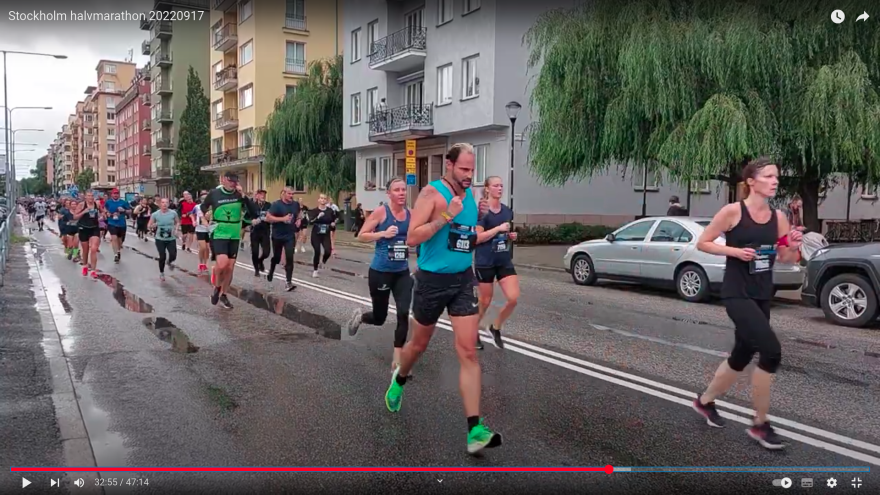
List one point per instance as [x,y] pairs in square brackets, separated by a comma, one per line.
[607,469]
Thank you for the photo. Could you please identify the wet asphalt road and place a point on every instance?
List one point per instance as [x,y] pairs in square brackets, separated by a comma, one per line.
[166,379]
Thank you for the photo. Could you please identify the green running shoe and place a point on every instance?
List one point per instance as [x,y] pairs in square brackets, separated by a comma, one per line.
[394,395]
[481,437]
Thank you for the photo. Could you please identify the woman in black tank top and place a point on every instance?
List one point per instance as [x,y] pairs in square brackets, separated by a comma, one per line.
[756,237]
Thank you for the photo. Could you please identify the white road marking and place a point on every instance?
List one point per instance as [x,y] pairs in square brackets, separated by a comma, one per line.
[611,375]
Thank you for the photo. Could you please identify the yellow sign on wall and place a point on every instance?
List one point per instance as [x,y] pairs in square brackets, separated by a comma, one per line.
[410,156]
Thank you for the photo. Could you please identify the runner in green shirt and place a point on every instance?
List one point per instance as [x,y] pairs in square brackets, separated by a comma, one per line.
[227,204]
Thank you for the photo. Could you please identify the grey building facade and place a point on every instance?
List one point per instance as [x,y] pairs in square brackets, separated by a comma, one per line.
[174,47]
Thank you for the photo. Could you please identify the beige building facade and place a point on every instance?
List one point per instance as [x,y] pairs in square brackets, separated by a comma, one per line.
[113,77]
[260,51]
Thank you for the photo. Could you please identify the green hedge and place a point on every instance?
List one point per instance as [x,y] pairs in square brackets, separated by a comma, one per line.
[566,233]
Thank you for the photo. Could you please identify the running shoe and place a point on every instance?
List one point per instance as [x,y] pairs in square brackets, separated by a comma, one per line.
[117,257]
[766,436]
[162,277]
[70,255]
[290,287]
[394,394]
[224,301]
[481,437]
[213,280]
[215,296]
[94,274]
[85,271]
[709,412]
[496,335]
[315,274]
[354,323]
[270,274]
[479,344]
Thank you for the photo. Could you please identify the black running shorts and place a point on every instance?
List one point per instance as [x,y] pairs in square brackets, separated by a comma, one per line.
[87,233]
[117,231]
[489,274]
[187,229]
[228,247]
[455,293]
[202,236]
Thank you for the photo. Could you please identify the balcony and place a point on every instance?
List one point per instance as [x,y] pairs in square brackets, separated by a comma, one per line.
[186,4]
[223,5]
[163,172]
[226,120]
[295,22]
[226,38]
[233,158]
[402,123]
[162,86]
[147,150]
[146,49]
[146,124]
[164,116]
[146,72]
[294,66]
[145,99]
[164,144]
[226,79]
[162,58]
[161,30]
[400,51]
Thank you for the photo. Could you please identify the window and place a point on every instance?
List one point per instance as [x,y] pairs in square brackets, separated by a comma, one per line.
[218,109]
[356,109]
[246,53]
[111,132]
[669,231]
[701,186]
[370,174]
[111,116]
[111,102]
[297,184]
[246,96]
[109,69]
[295,59]
[111,178]
[217,145]
[246,138]
[296,8]
[111,163]
[634,232]
[444,85]
[290,90]
[372,36]
[639,178]
[385,173]
[444,11]
[372,102]
[245,10]
[218,67]
[481,158]
[356,45]
[470,85]
[111,147]
[109,86]
[869,192]
[471,5]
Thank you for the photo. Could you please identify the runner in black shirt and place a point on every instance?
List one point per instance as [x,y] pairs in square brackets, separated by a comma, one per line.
[323,220]
[260,234]
[284,217]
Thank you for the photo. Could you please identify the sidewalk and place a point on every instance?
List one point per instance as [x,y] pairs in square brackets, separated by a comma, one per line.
[545,258]
[29,433]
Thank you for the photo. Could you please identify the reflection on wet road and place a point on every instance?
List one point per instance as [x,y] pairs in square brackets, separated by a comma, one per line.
[273,382]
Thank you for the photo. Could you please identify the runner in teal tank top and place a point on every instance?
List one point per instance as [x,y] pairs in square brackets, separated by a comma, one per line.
[444,225]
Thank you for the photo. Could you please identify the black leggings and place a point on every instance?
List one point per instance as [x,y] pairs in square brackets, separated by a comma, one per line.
[166,246]
[319,240]
[260,241]
[751,317]
[288,246]
[382,286]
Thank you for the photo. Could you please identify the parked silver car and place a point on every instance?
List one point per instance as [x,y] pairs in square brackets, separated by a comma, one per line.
[662,251]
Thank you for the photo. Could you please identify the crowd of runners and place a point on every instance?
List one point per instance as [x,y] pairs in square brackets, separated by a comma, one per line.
[464,246]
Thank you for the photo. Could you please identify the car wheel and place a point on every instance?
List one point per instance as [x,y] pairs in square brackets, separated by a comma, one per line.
[692,284]
[849,300]
[582,271]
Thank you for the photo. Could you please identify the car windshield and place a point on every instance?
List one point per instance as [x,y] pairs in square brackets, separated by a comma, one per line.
[705,223]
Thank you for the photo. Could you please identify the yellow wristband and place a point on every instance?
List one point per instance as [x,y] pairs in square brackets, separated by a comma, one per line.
[446,216]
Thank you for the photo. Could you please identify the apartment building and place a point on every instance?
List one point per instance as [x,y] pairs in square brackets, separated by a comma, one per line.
[173,47]
[102,100]
[260,50]
[134,147]
[50,168]
[65,145]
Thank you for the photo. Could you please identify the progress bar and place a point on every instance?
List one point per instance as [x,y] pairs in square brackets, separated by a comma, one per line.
[456,469]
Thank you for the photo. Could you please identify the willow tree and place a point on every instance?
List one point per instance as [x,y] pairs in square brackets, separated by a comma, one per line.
[698,88]
[302,139]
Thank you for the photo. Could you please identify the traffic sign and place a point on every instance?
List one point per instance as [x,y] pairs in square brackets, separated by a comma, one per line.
[411,148]
[410,179]
[410,165]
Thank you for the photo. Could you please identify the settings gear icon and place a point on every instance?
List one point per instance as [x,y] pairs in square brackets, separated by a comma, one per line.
[831,482]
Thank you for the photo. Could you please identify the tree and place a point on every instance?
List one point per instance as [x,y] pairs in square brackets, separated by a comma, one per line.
[698,88]
[194,140]
[302,140]
[84,179]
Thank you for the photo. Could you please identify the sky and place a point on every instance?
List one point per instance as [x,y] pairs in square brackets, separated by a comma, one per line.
[60,84]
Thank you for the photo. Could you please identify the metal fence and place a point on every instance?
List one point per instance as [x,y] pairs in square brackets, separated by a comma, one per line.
[6,221]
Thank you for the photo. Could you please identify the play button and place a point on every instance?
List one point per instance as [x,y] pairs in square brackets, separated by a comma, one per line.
[24,482]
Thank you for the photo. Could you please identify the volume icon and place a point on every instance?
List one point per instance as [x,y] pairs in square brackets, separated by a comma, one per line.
[79,482]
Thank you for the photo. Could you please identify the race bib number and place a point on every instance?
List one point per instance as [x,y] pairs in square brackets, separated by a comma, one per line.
[164,233]
[763,262]
[398,251]
[462,239]
[323,228]
[501,244]
[116,216]
[262,215]
[93,213]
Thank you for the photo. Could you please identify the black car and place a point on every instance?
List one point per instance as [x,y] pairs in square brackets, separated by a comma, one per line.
[844,281]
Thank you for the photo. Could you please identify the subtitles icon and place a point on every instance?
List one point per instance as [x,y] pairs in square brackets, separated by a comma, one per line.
[806,482]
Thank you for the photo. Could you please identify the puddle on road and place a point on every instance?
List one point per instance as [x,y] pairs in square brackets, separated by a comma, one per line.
[125,298]
[62,296]
[168,332]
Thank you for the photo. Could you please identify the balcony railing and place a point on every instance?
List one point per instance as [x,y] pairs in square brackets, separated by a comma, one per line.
[223,5]
[189,4]
[161,86]
[145,72]
[295,22]
[147,150]
[162,29]
[145,99]
[146,124]
[406,117]
[294,66]
[408,38]
[145,48]
[164,116]
[164,143]
[162,58]
[226,79]
[239,155]
[226,37]
[226,120]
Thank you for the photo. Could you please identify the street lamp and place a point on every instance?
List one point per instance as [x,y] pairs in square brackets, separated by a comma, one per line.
[10,170]
[512,111]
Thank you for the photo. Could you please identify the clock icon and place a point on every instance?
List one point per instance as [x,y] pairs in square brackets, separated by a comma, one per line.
[837,16]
